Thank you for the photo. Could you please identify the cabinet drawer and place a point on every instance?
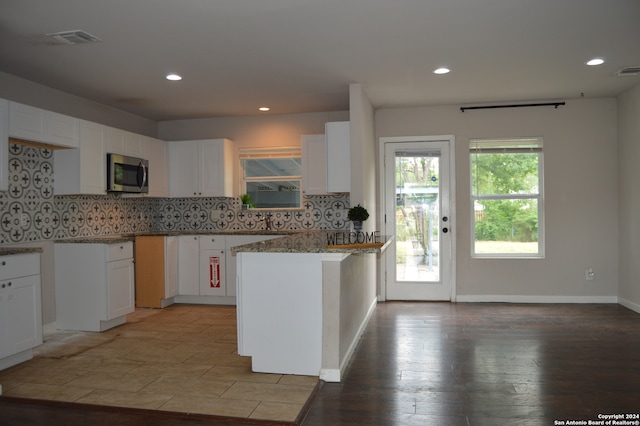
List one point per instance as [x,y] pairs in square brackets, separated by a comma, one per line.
[19,265]
[119,251]
[208,242]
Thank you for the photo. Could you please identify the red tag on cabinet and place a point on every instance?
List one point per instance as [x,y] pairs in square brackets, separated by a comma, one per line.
[214,271]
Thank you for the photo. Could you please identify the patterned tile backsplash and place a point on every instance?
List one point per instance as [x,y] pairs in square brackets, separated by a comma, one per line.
[30,212]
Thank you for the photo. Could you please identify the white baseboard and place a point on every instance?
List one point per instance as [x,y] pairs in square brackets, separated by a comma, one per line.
[629,304]
[536,299]
[332,375]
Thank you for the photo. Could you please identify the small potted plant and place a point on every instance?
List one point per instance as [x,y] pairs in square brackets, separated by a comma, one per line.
[357,215]
[246,201]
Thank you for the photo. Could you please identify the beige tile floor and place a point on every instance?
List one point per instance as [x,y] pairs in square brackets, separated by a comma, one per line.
[182,358]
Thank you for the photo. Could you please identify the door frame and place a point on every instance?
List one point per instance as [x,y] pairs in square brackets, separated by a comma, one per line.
[382,264]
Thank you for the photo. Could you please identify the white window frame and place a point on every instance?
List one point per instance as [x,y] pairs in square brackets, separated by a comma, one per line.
[275,152]
[533,144]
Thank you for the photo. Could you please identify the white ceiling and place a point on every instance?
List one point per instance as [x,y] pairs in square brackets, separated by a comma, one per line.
[301,55]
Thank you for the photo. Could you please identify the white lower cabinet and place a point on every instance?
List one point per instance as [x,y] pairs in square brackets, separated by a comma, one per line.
[20,308]
[94,285]
[207,269]
[212,266]
[188,269]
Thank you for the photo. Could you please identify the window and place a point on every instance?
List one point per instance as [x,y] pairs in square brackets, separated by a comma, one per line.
[271,177]
[506,197]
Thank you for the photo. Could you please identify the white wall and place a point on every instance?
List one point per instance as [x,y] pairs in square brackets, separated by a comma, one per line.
[260,130]
[629,207]
[363,153]
[581,196]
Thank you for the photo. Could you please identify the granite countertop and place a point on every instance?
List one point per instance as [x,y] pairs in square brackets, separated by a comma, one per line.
[98,239]
[7,251]
[289,241]
[320,242]
[122,238]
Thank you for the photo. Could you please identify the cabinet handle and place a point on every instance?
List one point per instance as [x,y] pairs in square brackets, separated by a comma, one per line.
[3,285]
[9,284]
[4,263]
[121,247]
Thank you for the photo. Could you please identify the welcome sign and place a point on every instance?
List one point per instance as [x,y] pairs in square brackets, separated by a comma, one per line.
[353,238]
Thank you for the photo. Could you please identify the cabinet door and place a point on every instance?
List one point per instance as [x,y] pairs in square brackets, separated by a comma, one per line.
[155,151]
[212,273]
[35,124]
[25,122]
[133,144]
[60,130]
[215,163]
[93,161]
[120,283]
[4,144]
[150,271]
[183,168]
[188,266]
[171,267]
[4,324]
[314,165]
[24,312]
[338,156]
[113,140]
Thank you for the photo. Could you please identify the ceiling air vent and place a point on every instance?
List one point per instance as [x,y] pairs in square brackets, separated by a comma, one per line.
[74,37]
[629,71]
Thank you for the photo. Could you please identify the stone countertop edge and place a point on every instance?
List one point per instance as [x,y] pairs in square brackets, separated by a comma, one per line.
[7,251]
[308,242]
[123,238]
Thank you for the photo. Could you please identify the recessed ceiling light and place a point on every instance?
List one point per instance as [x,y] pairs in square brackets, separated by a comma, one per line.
[264,109]
[174,77]
[441,70]
[595,61]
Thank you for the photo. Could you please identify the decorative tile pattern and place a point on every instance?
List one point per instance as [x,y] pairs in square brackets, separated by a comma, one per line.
[30,212]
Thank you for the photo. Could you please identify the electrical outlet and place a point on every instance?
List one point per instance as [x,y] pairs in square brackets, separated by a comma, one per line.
[24,219]
[589,274]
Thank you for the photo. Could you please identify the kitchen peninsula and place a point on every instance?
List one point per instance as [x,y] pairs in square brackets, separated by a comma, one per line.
[302,305]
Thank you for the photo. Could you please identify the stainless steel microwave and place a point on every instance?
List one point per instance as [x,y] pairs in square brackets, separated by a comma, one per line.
[127,174]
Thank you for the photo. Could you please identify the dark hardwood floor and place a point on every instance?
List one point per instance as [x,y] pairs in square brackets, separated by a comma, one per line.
[449,364]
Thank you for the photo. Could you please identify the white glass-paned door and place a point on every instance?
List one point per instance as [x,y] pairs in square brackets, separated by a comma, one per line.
[417,214]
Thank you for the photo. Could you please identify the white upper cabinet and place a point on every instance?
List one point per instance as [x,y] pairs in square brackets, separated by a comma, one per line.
[82,170]
[326,160]
[4,145]
[216,168]
[38,125]
[314,165]
[113,140]
[201,168]
[134,145]
[338,136]
[155,150]
[122,142]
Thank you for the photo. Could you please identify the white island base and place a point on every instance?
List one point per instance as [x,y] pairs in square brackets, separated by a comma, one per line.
[303,313]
